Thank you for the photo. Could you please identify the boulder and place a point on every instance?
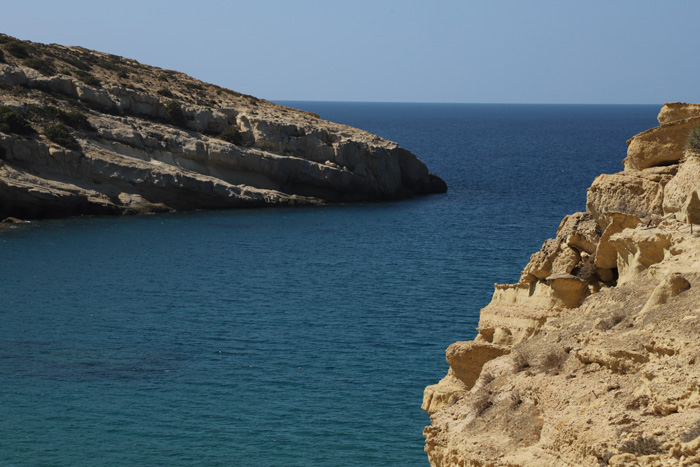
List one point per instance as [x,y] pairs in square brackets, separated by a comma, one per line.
[625,193]
[663,145]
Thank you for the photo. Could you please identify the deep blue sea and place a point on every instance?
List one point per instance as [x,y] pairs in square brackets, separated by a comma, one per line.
[285,337]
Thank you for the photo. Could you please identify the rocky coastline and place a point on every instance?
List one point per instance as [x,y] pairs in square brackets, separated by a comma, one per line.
[84,132]
[592,358]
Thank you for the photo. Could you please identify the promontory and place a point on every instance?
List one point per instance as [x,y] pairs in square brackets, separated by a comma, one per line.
[84,132]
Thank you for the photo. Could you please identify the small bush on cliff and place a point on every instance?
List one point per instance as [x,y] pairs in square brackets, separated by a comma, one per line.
[174,114]
[45,67]
[232,135]
[2,152]
[165,92]
[2,57]
[12,122]
[694,139]
[79,64]
[73,118]
[88,79]
[61,135]
[17,48]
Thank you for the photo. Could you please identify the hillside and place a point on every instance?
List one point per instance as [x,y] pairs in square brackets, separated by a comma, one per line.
[84,132]
[593,357]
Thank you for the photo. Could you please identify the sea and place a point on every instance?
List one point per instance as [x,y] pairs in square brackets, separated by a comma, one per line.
[296,336]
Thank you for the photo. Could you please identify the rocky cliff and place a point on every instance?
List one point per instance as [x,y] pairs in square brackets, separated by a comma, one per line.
[593,357]
[83,132]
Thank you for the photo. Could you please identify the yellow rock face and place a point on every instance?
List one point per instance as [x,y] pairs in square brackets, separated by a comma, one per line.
[593,357]
[659,146]
[674,111]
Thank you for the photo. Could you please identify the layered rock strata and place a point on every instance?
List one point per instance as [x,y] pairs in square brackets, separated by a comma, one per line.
[82,132]
[593,357]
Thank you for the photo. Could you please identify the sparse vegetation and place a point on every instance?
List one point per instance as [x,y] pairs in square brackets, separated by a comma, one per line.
[79,64]
[73,118]
[107,64]
[196,86]
[61,135]
[122,74]
[88,79]
[43,66]
[641,446]
[165,92]
[550,360]
[163,77]
[692,433]
[545,360]
[232,135]
[12,121]
[481,402]
[17,48]
[2,57]
[174,114]
[521,359]
[694,139]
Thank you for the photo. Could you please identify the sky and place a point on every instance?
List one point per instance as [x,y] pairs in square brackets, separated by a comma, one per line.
[487,51]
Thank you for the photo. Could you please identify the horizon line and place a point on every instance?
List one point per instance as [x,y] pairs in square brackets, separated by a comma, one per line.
[461,103]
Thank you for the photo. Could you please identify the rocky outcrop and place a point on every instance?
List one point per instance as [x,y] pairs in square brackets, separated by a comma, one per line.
[82,132]
[592,358]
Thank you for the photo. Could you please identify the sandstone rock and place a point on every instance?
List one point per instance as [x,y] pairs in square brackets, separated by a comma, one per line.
[679,190]
[577,233]
[639,249]
[591,373]
[606,253]
[659,146]
[691,209]
[674,111]
[467,358]
[569,289]
[671,286]
[446,392]
[625,193]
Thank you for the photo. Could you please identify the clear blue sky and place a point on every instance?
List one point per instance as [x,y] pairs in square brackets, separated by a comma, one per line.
[494,51]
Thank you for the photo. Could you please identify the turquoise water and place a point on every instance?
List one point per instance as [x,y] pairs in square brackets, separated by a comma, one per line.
[285,337]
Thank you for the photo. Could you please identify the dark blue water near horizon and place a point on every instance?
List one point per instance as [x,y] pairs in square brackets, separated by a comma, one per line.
[292,336]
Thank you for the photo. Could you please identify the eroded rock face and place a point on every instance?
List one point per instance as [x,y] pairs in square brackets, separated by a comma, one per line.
[674,111]
[663,145]
[627,192]
[592,358]
[147,139]
[678,194]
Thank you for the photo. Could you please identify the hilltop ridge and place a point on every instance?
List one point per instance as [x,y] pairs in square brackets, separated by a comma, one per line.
[84,132]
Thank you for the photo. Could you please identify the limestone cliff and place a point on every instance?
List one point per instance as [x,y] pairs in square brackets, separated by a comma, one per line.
[593,357]
[83,132]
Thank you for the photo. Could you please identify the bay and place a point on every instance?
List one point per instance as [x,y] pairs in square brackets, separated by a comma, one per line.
[285,337]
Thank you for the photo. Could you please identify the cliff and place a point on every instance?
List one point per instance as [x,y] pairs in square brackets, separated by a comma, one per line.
[593,357]
[83,132]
